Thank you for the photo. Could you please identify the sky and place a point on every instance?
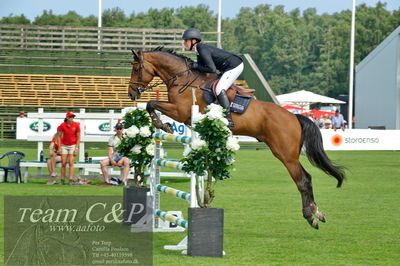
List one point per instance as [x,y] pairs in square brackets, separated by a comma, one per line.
[230,8]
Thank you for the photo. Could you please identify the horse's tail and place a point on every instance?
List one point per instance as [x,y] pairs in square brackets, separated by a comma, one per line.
[312,140]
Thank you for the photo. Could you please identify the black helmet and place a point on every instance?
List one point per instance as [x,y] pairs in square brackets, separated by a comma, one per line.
[191,34]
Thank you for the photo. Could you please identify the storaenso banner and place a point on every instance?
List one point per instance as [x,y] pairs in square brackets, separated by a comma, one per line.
[72,231]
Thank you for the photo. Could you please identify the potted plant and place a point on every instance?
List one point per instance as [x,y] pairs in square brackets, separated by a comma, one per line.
[138,146]
[211,155]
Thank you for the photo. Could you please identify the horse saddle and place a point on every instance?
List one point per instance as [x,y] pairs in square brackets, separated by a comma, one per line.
[238,97]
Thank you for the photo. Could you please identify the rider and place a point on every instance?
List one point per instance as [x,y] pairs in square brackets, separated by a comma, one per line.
[210,59]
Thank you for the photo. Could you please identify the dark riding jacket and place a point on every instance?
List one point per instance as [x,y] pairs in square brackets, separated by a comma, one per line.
[210,59]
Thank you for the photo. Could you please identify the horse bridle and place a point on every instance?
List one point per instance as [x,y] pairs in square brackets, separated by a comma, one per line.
[139,90]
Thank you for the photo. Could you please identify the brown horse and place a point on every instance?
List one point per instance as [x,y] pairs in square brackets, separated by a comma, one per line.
[284,132]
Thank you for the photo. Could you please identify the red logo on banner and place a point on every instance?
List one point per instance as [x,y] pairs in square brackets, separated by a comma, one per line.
[337,140]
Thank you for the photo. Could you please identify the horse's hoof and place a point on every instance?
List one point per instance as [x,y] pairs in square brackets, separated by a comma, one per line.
[321,216]
[167,127]
[314,223]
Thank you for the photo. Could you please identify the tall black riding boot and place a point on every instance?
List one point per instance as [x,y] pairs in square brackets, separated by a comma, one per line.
[224,102]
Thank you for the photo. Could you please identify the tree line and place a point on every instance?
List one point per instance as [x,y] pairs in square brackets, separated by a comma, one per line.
[294,50]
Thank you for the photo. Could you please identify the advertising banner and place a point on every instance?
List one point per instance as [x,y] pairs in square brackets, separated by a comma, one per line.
[361,139]
[93,127]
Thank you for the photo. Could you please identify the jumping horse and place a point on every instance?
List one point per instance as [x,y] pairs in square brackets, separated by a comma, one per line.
[284,132]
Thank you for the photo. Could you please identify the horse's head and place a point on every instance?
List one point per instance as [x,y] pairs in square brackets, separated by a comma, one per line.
[141,76]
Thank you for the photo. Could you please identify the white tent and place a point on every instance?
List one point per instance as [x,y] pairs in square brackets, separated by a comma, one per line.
[305,98]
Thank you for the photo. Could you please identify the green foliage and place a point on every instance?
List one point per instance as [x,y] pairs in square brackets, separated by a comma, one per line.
[137,142]
[200,17]
[114,17]
[212,154]
[17,20]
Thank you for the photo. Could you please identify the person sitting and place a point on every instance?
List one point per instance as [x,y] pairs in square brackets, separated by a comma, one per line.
[114,159]
[210,59]
[55,157]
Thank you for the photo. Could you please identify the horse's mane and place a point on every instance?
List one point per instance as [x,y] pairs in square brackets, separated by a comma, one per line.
[172,52]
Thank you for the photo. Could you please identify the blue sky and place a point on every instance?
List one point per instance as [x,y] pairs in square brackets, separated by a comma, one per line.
[33,8]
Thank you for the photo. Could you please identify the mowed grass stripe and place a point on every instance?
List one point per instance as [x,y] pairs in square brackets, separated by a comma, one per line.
[263,220]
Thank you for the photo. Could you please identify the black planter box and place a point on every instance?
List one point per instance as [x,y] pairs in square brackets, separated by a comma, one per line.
[134,195]
[206,232]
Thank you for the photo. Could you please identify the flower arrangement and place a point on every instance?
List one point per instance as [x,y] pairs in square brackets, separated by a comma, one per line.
[137,144]
[212,154]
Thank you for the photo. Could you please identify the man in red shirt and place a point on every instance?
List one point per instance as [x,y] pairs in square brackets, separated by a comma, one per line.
[70,140]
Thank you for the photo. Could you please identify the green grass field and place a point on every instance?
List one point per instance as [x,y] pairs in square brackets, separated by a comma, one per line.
[263,219]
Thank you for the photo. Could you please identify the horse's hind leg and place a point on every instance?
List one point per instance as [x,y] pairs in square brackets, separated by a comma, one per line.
[304,185]
[310,209]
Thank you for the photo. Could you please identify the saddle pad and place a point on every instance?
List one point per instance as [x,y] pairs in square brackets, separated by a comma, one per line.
[240,104]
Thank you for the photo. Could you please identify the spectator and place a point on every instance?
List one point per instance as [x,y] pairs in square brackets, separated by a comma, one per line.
[324,122]
[70,140]
[22,114]
[337,121]
[54,158]
[320,122]
[327,124]
[114,159]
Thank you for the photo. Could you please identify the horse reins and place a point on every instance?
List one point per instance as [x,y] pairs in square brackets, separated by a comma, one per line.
[140,90]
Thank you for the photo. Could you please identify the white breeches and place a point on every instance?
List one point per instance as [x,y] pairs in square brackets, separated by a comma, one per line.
[228,78]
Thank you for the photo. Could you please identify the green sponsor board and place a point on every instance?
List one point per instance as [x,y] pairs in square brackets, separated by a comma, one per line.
[105,127]
[35,126]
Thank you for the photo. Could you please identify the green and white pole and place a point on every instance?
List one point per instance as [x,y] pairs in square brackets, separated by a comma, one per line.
[171,218]
[173,192]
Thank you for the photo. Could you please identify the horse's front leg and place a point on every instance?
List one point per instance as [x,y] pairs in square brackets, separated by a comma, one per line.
[167,108]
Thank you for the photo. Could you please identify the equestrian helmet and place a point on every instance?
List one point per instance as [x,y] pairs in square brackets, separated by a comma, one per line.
[191,34]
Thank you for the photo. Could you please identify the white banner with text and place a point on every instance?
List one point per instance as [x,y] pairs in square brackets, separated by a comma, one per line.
[361,139]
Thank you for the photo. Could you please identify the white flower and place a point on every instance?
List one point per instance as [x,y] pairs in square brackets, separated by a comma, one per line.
[230,161]
[130,109]
[141,106]
[197,144]
[132,131]
[215,111]
[215,107]
[232,144]
[136,149]
[225,121]
[150,149]
[145,131]
[197,118]
[214,114]
[186,151]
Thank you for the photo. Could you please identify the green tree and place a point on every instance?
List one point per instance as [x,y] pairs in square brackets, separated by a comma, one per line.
[17,20]
[199,17]
[114,17]
[47,18]
[164,18]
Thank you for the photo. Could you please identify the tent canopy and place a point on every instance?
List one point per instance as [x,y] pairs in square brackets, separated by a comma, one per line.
[304,98]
